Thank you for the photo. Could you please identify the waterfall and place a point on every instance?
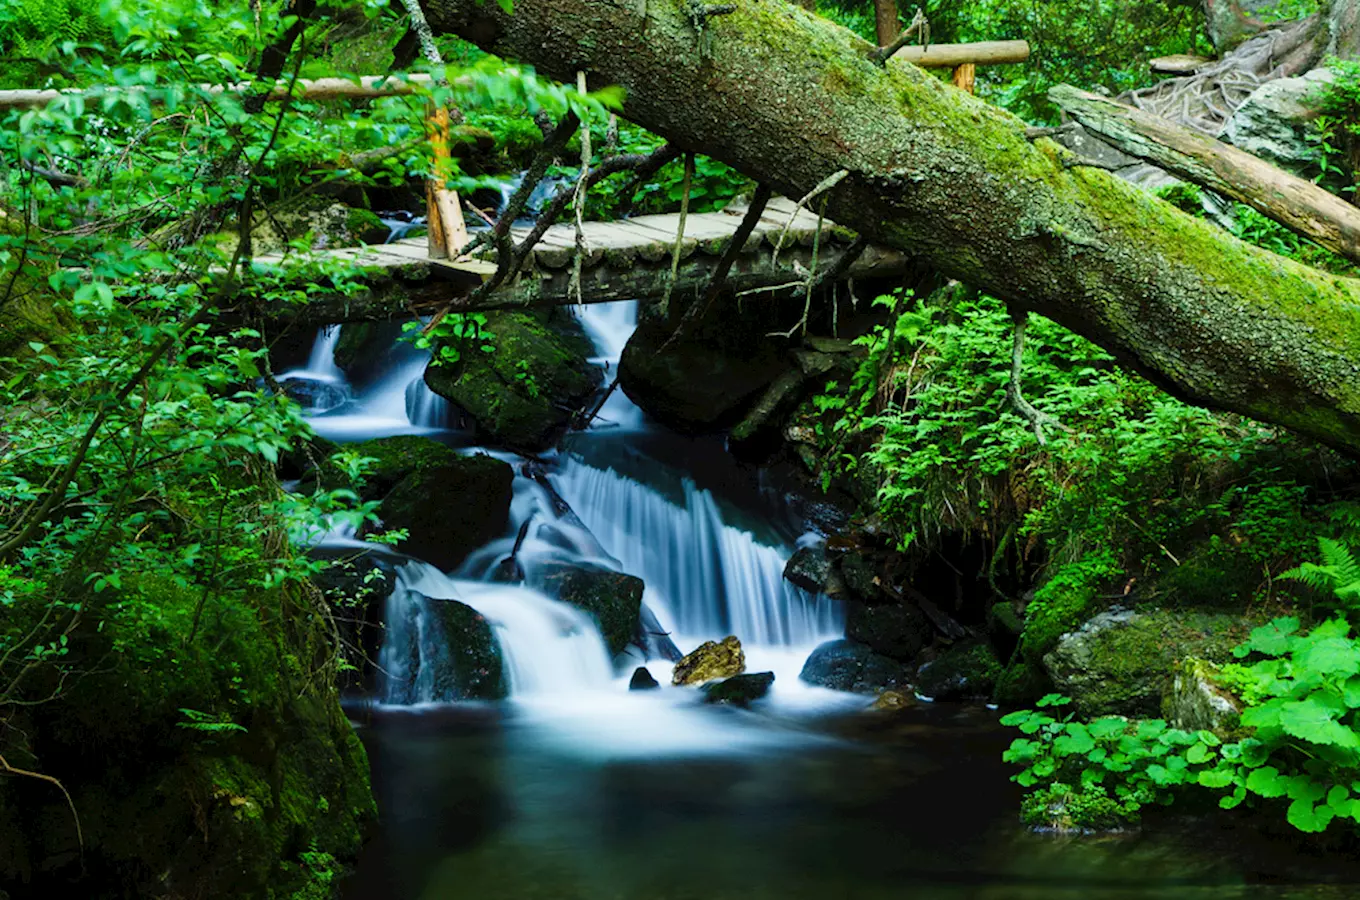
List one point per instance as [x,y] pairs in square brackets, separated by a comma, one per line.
[704,578]
[548,647]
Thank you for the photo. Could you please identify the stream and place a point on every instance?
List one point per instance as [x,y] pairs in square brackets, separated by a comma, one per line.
[575,787]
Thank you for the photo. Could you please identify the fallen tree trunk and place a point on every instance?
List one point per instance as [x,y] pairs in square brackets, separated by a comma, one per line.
[367,87]
[1298,205]
[791,99]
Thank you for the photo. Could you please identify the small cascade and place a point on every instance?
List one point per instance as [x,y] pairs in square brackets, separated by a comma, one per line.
[425,408]
[321,362]
[704,578]
[542,195]
[549,647]
[609,325]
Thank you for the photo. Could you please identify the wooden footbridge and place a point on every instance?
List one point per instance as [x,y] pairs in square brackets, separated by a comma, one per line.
[629,259]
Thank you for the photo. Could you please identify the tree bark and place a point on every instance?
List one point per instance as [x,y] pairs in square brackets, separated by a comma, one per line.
[790,99]
[887,24]
[1299,205]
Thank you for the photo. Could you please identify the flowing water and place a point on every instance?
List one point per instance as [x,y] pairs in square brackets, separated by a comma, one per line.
[577,789]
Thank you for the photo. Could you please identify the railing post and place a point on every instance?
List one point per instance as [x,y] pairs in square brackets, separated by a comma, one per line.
[443,212]
[964,76]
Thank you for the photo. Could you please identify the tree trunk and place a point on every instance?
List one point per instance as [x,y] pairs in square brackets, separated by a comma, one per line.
[887,25]
[790,99]
[1299,205]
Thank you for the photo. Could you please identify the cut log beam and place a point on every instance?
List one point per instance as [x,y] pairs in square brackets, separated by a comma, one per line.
[1299,205]
[949,56]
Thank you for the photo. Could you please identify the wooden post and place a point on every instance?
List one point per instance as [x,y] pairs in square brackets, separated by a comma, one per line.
[964,76]
[443,213]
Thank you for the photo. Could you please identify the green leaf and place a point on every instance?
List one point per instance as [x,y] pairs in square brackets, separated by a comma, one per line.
[1199,754]
[1267,782]
[1304,816]
[1215,778]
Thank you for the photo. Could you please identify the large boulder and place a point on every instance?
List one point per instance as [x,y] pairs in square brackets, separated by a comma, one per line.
[392,459]
[1274,123]
[710,661]
[1197,701]
[695,383]
[851,666]
[523,393]
[451,508]
[1122,662]
[739,690]
[898,630]
[810,569]
[612,598]
[472,668]
[965,671]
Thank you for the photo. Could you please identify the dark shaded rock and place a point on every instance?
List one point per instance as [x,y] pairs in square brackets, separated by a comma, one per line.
[365,349]
[393,458]
[859,577]
[524,393]
[695,384]
[739,690]
[472,668]
[612,598]
[642,680]
[1122,663]
[654,640]
[709,661]
[965,671]
[809,568]
[898,630]
[314,396]
[356,584]
[450,509]
[850,666]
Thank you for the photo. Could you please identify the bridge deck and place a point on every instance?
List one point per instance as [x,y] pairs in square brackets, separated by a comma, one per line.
[620,243]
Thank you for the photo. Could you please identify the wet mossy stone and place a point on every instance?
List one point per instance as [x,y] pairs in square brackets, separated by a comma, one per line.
[694,384]
[643,680]
[710,661]
[898,630]
[1123,662]
[859,577]
[474,668]
[739,690]
[523,393]
[965,671]
[851,666]
[612,598]
[364,349]
[809,568]
[393,458]
[451,508]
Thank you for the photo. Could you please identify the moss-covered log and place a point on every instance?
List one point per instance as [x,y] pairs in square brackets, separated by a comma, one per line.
[790,99]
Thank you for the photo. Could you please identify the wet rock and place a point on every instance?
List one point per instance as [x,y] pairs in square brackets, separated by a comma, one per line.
[653,639]
[356,583]
[393,459]
[892,701]
[451,508]
[739,690]
[809,568]
[694,384]
[859,576]
[1275,122]
[643,680]
[612,598]
[710,661]
[314,396]
[1197,701]
[523,394]
[850,666]
[898,630]
[1122,662]
[965,671]
[365,349]
[472,668]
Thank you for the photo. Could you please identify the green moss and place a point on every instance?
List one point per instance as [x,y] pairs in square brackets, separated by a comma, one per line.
[612,598]
[363,222]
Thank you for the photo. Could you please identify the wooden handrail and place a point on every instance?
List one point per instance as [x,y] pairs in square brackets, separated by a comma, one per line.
[949,56]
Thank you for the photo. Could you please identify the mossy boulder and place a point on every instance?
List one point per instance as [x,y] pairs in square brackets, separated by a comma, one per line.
[523,393]
[1198,700]
[810,569]
[1123,662]
[710,661]
[450,508]
[473,668]
[613,599]
[355,584]
[965,671]
[851,666]
[695,384]
[739,690]
[318,222]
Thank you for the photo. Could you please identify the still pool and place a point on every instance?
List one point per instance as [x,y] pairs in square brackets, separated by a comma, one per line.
[658,799]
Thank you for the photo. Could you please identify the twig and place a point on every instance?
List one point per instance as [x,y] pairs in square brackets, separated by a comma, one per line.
[1036,418]
[574,283]
[6,768]
[920,25]
[679,234]
[822,187]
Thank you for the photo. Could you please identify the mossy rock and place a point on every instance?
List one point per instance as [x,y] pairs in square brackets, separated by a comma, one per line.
[396,457]
[522,395]
[364,349]
[851,666]
[965,671]
[31,312]
[451,508]
[1122,663]
[612,598]
[898,630]
[319,222]
[474,668]
[710,661]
